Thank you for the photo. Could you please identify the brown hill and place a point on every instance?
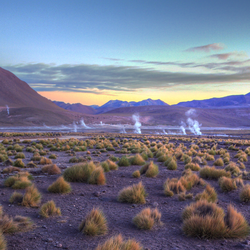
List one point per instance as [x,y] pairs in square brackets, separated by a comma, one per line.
[27,107]
[76,107]
[16,93]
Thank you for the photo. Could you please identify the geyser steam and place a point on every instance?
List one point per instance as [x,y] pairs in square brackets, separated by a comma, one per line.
[83,124]
[137,125]
[74,127]
[182,128]
[193,125]
[8,110]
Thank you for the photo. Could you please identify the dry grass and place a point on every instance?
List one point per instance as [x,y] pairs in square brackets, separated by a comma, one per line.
[10,169]
[51,169]
[32,197]
[124,162]
[192,166]
[45,161]
[147,218]
[19,181]
[227,184]
[3,244]
[206,220]
[150,169]
[97,177]
[137,160]
[16,198]
[117,243]
[219,162]
[94,223]
[237,226]
[60,186]
[213,173]
[49,209]
[19,163]
[79,172]
[171,165]
[233,168]
[136,174]
[208,194]
[133,194]
[245,194]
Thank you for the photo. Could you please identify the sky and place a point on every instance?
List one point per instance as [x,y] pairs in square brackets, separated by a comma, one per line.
[93,51]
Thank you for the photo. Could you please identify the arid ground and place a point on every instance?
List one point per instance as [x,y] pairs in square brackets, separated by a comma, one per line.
[62,231]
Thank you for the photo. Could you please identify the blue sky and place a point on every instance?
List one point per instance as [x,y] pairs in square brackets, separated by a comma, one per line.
[94,51]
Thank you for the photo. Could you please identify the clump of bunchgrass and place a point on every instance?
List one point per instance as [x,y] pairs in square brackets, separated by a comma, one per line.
[60,186]
[45,161]
[94,223]
[136,174]
[227,184]
[213,173]
[208,194]
[133,194]
[150,169]
[97,177]
[117,243]
[51,169]
[32,197]
[219,162]
[147,218]
[137,160]
[124,162]
[49,209]
[19,163]
[245,194]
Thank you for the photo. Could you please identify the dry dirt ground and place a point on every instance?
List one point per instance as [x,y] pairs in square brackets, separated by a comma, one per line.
[62,232]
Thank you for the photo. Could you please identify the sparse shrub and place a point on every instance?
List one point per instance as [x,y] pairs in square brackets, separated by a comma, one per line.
[237,226]
[117,243]
[97,177]
[192,166]
[45,161]
[51,169]
[172,165]
[52,156]
[112,165]
[147,218]
[105,166]
[16,198]
[219,162]
[3,245]
[32,197]
[233,168]
[79,172]
[136,174]
[73,160]
[60,186]
[124,162]
[19,181]
[137,160]
[245,194]
[10,169]
[183,196]
[31,164]
[208,194]
[19,163]
[49,209]
[150,169]
[94,223]
[133,194]
[213,173]
[227,184]
[20,156]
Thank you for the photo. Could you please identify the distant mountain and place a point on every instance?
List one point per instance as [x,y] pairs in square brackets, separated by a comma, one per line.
[233,101]
[114,104]
[95,106]
[76,107]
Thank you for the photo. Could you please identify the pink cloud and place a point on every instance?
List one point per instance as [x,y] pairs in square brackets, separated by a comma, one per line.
[207,48]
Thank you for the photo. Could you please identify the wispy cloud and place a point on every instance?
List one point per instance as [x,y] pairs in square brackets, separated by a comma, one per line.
[207,48]
[225,56]
[99,79]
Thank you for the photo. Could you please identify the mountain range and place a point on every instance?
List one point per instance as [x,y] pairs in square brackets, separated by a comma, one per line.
[28,108]
[110,105]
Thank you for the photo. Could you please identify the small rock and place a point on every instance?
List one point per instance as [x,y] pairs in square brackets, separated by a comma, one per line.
[49,240]
[96,194]
[81,194]
[155,204]
[44,227]
[134,205]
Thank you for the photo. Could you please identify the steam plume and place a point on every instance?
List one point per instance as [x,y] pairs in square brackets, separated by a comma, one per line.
[83,124]
[8,110]
[193,125]
[137,125]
